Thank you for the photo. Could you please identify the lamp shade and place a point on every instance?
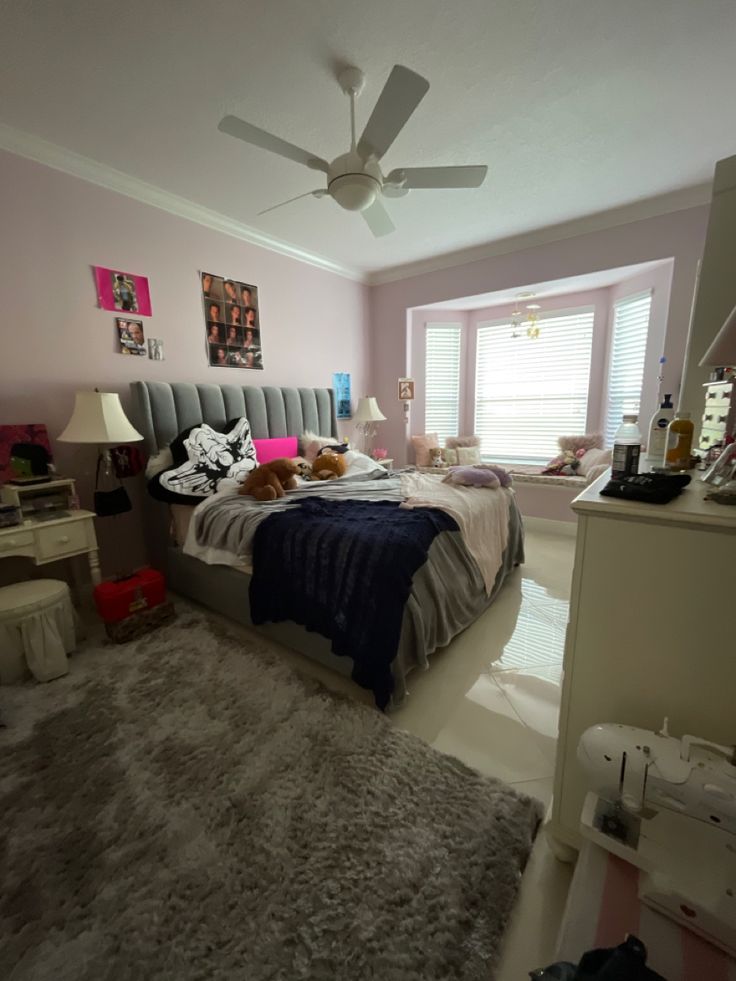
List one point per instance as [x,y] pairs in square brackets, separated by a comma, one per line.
[368,411]
[98,417]
[722,352]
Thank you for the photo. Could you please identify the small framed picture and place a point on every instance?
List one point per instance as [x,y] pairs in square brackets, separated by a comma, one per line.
[406,389]
[130,336]
[155,349]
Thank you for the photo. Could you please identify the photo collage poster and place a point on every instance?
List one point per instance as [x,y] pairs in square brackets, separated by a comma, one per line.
[232,322]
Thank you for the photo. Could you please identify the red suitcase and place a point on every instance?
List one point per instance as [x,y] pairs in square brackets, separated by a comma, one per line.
[117,600]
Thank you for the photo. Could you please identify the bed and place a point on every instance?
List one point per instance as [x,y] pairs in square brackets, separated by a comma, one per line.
[447,592]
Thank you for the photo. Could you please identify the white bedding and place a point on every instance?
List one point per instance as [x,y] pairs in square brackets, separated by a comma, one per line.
[357,464]
[482,516]
[484,528]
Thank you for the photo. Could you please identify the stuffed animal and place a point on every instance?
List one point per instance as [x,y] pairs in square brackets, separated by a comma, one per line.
[472,476]
[435,457]
[563,465]
[504,477]
[270,480]
[328,466]
[303,468]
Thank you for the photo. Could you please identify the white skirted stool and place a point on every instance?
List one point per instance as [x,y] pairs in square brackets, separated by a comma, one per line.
[36,630]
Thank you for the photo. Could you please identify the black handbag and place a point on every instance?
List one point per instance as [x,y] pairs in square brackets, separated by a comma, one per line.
[110,502]
[627,962]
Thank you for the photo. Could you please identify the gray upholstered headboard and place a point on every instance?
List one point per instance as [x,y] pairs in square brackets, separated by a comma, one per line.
[163,409]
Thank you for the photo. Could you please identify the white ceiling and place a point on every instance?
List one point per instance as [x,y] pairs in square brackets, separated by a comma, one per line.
[577,107]
[556,287]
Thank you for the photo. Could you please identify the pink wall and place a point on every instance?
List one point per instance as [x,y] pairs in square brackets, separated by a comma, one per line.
[678,235]
[56,340]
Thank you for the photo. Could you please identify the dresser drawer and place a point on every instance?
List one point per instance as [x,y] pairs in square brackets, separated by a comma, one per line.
[715,417]
[717,394]
[16,540]
[711,437]
[63,539]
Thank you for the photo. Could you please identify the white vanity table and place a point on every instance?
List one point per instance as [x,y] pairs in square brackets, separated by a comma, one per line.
[44,541]
[651,627]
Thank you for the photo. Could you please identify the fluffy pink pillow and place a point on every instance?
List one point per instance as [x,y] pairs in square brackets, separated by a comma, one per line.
[422,446]
[455,442]
[274,449]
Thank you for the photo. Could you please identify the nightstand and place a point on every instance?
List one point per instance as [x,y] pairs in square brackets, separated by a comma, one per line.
[48,540]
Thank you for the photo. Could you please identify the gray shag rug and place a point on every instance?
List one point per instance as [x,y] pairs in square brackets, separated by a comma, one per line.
[186,806]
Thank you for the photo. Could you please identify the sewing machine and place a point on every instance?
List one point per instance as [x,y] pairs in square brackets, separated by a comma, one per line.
[667,806]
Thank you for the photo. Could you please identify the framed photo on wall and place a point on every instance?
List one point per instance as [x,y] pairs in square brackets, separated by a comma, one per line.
[232,322]
[406,389]
[130,336]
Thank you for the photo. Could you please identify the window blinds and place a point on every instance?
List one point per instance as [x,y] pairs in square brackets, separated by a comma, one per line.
[442,380]
[626,360]
[528,392]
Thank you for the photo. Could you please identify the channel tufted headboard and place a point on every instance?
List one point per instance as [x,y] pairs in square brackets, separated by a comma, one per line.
[163,409]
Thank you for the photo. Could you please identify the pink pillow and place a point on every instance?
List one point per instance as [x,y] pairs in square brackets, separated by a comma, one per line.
[274,449]
[422,446]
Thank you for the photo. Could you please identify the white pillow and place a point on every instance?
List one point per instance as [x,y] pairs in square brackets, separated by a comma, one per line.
[593,458]
[360,463]
[211,457]
[468,455]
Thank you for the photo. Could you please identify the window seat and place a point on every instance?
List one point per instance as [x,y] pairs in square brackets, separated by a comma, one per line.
[533,475]
[524,474]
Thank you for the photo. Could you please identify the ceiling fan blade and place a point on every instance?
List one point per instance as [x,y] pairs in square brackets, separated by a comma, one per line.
[411,178]
[378,219]
[401,94]
[319,193]
[267,141]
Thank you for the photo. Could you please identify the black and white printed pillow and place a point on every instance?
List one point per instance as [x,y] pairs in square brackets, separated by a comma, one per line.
[202,458]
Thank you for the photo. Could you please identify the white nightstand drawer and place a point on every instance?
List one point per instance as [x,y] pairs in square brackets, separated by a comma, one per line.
[10,541]
[62,539]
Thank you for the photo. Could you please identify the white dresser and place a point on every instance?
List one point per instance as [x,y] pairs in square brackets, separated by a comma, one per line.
[651,629]
[719,414]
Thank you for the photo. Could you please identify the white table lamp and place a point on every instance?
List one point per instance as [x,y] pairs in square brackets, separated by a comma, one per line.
[98,418]
[365,417]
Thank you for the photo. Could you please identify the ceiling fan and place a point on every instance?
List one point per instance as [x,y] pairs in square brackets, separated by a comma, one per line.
[354,179]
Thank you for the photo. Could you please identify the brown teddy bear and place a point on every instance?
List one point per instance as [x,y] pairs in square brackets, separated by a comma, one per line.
[270,480]
[328,466]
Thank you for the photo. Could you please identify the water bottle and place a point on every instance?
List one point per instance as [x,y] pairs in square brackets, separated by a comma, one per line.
[626,448]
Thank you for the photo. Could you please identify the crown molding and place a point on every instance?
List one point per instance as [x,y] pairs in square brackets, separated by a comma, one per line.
[59,158]
[680,200]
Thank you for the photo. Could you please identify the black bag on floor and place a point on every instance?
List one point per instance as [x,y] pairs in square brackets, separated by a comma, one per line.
[627,962]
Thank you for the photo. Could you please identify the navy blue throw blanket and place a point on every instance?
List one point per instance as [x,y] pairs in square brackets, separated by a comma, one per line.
[344,569]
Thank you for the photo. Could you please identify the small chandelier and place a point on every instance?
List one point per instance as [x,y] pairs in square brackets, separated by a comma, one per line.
[527,318]
[532,320]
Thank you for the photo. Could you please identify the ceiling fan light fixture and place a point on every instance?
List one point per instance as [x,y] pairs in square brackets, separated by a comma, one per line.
[354,192]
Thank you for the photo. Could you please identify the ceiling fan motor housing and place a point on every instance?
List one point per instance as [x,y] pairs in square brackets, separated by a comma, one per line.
[353,183]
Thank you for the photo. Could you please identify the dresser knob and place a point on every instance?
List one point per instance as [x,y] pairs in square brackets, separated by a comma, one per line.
[63,540]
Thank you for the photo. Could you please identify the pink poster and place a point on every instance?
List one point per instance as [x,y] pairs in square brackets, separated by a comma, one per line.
[122,291]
